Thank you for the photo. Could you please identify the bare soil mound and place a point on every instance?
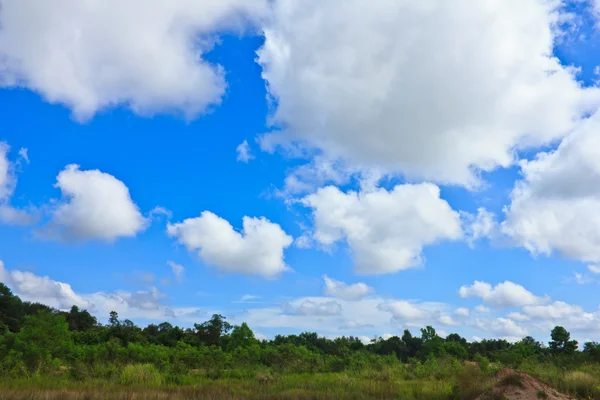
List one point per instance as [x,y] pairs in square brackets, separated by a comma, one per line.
[514,385]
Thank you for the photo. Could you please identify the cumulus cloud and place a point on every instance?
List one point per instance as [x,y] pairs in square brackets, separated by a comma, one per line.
[462,312]
[344,291]
[177,269]
[257,249]
[415,314]
[95,205]
[506,294]
[314,308]
[556,206]
[145,304]
[556,310]
[102,53]
[359,82]
[385,230]
[482,309]
[479,226]
[503,327]
[244,153]
[41,289]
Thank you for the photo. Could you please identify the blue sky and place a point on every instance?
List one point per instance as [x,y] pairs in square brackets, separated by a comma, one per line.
[332,167]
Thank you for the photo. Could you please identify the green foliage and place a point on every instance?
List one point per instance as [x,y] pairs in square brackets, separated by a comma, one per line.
[37,342]
[141,375]
[560,343]
[581,384]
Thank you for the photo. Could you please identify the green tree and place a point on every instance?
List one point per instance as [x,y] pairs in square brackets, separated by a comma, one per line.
[241,336]
[561,343]
[212,331]
[11,309]
[43,337]
[80,320]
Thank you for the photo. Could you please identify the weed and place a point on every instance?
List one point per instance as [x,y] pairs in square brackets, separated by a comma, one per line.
[512,380]
[141,374]
[541,394]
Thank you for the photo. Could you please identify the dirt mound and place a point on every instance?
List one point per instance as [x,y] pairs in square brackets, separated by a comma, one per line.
[514,385]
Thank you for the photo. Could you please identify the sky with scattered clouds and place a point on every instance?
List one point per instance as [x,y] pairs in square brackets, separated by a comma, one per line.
[345,167]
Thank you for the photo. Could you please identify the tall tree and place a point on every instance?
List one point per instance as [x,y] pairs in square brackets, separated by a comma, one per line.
[561,343]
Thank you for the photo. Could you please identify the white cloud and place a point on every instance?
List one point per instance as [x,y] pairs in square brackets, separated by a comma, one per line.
[244,153]
[595,269]
[8,181]
[517,316]
[462,312]
[479,226]
[40,289]
[95,205]
[482,309]
[506,294]
[257,249]
[403,310]
[447,320]
[360,83]
[417,314]
[556,310]
[502,327]
[24,154]
[344,291]
[581,279]
[556,206]
[6,176]
[145,304]
[249,297]
[96,54]
[314,308]
[385,230]
[178,270]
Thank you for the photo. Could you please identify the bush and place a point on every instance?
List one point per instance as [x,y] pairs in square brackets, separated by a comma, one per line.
[580,383]
[141,374]
[470,383]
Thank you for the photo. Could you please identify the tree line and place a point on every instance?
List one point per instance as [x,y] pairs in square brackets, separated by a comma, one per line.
[36,338]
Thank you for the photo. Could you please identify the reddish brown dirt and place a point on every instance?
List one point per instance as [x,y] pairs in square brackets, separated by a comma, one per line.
[529,389]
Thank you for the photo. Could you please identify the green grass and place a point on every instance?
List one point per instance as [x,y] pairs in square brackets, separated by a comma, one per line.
[293,387]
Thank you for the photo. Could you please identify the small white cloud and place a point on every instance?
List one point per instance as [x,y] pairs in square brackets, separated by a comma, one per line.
[8,181]
[480,226]
[447,320]
[344,291]
[95,205]
[313,308]
[502,327]
[177,269]
[385,230]
[462,312]
[24,154]
[482,309]
[517,316]
[595,269]
[257,249]
[506,294]
[244,154]
[581,279]
[249,297]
